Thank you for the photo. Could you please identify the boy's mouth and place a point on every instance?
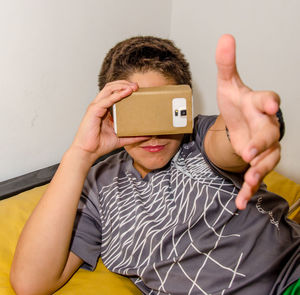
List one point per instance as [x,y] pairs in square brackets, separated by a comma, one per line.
[153,148]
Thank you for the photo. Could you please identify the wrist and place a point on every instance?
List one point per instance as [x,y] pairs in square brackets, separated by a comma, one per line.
[78,158]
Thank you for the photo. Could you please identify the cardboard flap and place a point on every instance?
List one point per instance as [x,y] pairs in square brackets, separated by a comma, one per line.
[150,111]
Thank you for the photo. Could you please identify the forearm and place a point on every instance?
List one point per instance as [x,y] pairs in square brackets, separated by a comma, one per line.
[43,247]
[219,149]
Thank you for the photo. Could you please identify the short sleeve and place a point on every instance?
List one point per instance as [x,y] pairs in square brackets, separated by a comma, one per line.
[86,238]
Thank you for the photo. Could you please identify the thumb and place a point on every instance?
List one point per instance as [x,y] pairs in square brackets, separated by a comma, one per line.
[225,58]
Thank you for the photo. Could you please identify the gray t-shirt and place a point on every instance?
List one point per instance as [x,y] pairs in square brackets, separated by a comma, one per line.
[177,231]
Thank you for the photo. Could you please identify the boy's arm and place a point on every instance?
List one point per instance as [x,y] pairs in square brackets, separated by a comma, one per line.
[251,144]
[43,261]
[219,149]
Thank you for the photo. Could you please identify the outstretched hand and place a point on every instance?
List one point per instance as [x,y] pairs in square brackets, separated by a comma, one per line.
[250,117]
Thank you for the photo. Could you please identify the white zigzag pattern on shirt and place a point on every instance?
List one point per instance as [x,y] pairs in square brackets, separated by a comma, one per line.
[149,227]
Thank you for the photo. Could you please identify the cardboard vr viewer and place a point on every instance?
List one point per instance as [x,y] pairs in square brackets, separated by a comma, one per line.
[155,111]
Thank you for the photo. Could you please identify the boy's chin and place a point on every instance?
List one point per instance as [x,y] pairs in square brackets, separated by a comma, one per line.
[145,168]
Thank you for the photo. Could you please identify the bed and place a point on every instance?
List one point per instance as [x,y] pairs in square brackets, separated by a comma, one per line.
[18,197]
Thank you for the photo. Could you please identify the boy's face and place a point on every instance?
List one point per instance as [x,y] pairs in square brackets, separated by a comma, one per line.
[157,151]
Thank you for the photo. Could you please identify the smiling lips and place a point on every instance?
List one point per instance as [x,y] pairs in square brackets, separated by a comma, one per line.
[153,148]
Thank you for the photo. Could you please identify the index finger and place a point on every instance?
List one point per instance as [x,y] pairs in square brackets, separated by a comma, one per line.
[226,59]
[116,87]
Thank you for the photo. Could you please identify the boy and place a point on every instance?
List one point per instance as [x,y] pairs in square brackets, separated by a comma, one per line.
[166,212]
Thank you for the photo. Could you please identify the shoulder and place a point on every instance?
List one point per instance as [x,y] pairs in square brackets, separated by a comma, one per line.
[109,165]
[105,170]
[201,125]
[203,122]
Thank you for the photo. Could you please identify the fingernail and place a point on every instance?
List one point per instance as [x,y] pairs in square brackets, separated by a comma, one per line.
[252,153]
[256,177]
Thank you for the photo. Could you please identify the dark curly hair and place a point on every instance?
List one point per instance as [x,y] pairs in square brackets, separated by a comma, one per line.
[141,54]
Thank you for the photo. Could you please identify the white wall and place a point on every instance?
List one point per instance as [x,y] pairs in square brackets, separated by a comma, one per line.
[50,56]
[267,34]
[51,52]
